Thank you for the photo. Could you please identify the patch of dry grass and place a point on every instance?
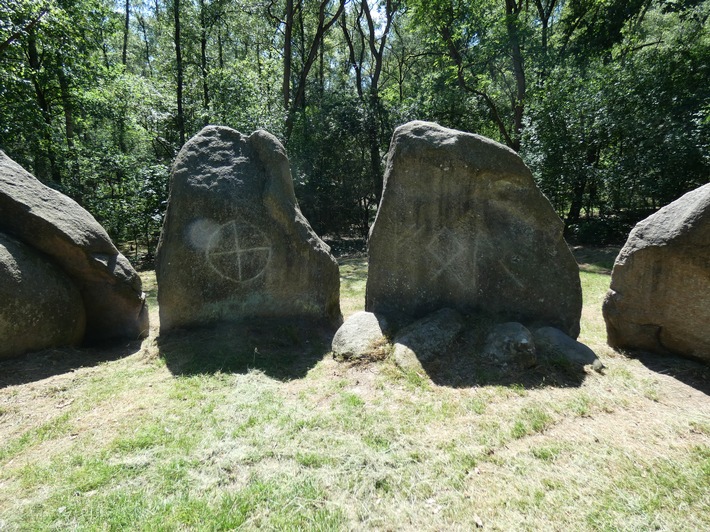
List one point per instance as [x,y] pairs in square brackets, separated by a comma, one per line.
[353,278]
[225,431]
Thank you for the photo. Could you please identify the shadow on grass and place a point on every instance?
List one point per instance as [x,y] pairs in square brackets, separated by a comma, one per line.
[595,259]
[694,374]
[283,350]
[464,367]
[353,273]
[41,365]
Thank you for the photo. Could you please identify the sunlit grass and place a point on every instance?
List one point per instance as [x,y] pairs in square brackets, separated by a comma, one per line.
[206,432]
[353,278]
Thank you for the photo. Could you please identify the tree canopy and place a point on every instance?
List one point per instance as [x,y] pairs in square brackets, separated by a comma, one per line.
[607,101]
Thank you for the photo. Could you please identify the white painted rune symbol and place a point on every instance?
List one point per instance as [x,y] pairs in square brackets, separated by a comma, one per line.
[446,248]
[238,251]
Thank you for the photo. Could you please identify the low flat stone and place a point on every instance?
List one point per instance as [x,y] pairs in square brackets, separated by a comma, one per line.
[510,342]
[554,344]
[359,336]
[427,338]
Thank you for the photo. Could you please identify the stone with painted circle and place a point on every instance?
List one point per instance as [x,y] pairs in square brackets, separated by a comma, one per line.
[238,251]
[234,244]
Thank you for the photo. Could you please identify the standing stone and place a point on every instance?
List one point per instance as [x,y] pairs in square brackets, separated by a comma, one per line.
[57,226]
[659,299]
[461,224]
[234,243]
[39,305]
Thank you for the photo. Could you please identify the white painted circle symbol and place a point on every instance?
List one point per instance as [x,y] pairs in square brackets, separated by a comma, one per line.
[238,251]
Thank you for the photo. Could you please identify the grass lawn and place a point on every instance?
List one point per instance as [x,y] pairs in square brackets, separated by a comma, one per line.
[223,430]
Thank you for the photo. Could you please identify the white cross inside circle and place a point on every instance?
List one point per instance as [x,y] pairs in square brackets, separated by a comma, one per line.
[238,251]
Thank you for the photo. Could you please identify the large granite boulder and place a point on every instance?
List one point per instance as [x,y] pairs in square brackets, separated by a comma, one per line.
[234,243]
[39,305]
[58,227]
[461,224]
[659,299]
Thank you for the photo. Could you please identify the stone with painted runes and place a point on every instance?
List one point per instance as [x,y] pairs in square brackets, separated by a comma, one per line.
[234,243]
[462,225]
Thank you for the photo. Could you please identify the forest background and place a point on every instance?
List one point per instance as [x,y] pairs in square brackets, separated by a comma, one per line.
[607,101]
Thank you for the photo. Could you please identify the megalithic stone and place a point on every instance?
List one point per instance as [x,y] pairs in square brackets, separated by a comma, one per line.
[659,299]
[39,305]
[462,225]
[234,243]
[57,226]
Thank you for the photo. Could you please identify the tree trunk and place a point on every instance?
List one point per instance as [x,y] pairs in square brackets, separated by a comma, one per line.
[220,51]
[288,33]
[583,182]
[66,103]
[179,66]
[299,97]
[575,207]
[356,65]
[377,51]
[203,61]
[512,14]
[544,12]
[45,148]
[144,30]
[126,27]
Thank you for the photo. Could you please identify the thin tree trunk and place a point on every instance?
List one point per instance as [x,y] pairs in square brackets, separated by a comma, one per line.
[66,103]
[512,14]
[104,48]
[298,101]
[126,26]
[321,70]
[544,12]
[377,53]
[179,67]
[220,51]
[203,61]
[144,30]
[47,150]
[288,33]
[356,64]
[575,208]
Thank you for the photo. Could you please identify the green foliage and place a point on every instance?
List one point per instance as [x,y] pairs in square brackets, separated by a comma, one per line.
[606,100]
[330,166]
[617,140]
